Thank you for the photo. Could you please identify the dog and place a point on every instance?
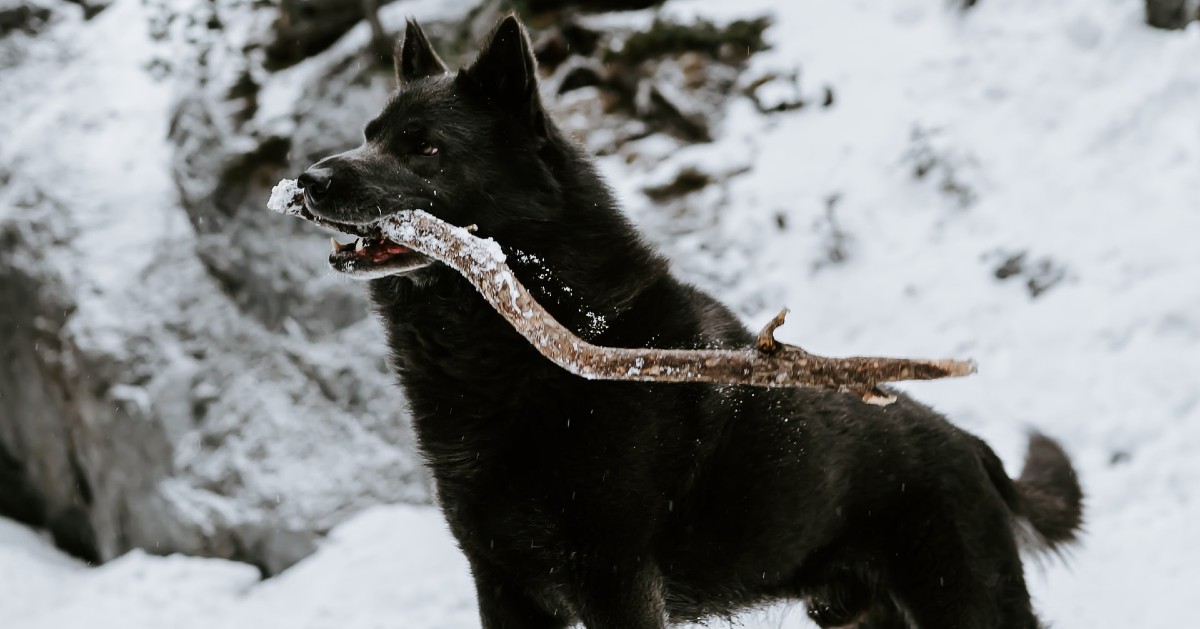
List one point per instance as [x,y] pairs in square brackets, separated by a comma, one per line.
[624,505]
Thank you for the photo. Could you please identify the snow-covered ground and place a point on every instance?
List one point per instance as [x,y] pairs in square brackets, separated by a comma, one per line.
[1066,130]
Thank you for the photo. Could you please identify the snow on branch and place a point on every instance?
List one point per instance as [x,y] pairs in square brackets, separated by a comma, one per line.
[768,363]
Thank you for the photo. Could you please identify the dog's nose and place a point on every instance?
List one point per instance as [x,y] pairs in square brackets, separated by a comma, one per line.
[316,182]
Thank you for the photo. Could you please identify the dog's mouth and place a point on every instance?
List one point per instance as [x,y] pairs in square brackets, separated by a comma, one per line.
[371,257]
[367,250]
[368,256]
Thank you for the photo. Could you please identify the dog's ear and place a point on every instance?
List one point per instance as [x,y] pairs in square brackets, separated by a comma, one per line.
[505,72]
[415,57]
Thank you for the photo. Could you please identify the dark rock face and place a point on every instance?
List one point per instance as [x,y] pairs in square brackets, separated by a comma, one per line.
[90,453]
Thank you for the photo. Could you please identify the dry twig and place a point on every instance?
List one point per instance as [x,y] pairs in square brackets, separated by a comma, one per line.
[768,364]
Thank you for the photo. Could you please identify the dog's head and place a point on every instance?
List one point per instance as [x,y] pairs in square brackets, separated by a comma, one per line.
[468,147]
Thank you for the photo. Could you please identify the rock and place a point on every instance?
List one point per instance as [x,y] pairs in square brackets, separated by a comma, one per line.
[543,6]
[564,39]
[672,110]
[64,435]
[31,16]
[153,431]
[274,550]
[577,73]
[934,158]
[92,8]
[305,28]
[772,94]
[732,42]
[230,152]
[24,15]
[178,370]
[687,181]
[1040,275]
[671,78]
[1171,14]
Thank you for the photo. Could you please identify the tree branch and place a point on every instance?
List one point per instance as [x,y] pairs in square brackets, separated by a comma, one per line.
[768,364]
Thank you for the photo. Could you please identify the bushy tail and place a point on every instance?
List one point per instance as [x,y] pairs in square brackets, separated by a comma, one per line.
[1046,494]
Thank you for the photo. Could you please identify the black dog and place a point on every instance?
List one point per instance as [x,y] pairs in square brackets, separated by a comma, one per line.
[628,505]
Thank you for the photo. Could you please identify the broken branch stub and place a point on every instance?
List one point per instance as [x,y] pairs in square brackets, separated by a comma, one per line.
[768,364]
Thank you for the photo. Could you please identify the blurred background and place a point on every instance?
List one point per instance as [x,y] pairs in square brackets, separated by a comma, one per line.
[197,423]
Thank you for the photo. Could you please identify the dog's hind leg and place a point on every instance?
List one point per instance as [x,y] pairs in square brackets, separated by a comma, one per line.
[873,613]
[958,567]
[852,598]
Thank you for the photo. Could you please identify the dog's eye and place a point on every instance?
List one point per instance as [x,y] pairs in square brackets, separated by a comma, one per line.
[427,149]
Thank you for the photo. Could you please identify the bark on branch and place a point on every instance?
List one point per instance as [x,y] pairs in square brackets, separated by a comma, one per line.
[768,364]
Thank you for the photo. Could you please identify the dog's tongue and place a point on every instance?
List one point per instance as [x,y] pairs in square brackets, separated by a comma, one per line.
[374,249]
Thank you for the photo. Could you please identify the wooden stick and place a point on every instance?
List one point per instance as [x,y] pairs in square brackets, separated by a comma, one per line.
[768,364]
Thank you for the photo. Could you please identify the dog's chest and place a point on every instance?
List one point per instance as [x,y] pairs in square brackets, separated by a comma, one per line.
[451,348]
[507,503]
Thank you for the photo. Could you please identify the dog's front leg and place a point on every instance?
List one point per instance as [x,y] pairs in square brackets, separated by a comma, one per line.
[505,605]
[622,594]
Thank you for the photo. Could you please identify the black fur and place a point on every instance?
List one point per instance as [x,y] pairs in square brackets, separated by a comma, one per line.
[623,505]
[415,56]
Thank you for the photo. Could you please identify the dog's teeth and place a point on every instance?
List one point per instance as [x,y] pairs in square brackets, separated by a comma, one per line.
[358,245]
[339,247]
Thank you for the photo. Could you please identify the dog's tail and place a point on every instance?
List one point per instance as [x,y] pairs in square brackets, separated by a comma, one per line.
[1046,494]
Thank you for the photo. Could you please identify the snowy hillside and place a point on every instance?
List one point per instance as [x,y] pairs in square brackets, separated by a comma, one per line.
[1016,184]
